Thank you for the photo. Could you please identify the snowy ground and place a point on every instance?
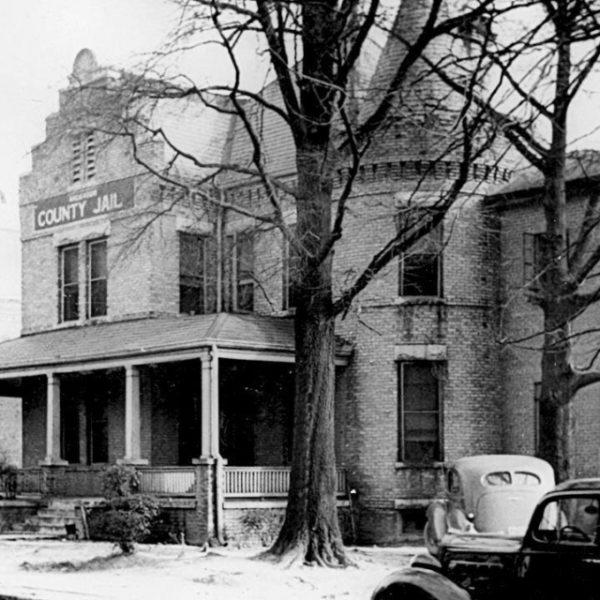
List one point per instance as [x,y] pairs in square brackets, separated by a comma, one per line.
[49,570]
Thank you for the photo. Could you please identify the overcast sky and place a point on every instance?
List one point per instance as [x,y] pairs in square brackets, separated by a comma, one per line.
[39,40]
[38,43]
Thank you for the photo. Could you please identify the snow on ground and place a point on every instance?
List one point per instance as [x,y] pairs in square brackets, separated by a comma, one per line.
[49,570]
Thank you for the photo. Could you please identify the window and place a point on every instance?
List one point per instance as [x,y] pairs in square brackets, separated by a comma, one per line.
[97,278]
[544,420]
[421,267]
[419,431]
[537,394]
[68,284]
[244,262]
[196,285]
[527,479]
[532,259]
[83,162]
[290,265]
[238,272]
[568,520]
[498,478]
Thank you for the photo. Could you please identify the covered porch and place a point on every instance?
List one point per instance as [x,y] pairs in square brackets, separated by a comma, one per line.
[201,405]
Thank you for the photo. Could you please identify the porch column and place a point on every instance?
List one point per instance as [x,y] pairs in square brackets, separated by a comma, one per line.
[53,421]
[133,447]
[210,404]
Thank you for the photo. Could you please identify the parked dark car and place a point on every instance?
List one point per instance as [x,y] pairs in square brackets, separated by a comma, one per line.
[557,559]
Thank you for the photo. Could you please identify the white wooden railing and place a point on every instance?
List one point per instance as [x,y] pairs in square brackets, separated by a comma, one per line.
[168,481]
[265,481]
[242,482]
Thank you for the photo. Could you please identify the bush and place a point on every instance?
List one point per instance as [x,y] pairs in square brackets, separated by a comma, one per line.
[120,481]
[262,523]
[124,520]
[126,517]
[8,480]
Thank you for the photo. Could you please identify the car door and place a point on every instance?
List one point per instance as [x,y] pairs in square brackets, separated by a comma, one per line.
[560,557]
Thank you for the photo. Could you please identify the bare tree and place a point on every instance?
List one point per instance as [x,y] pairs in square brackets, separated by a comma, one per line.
[538,77]
[314,50]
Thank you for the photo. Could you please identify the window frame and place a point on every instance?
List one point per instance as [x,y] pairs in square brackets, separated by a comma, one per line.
[537,395]
[402,412]
[432,246]
[289,294]
[235,275]
[202,277]
[90,280]
[62,286]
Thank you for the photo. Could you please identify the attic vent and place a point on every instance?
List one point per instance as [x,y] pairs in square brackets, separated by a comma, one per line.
[83,157]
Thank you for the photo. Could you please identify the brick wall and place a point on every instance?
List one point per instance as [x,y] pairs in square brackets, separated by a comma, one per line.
[522,320]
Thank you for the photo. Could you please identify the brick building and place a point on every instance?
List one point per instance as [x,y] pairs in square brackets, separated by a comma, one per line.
[519,209]
[159,333]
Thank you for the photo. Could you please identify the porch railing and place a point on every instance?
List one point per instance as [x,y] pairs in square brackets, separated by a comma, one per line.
[265,481]
[168,481]
[241,482]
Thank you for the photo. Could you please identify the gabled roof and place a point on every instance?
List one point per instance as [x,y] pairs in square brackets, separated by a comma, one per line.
[147,337]
[582,166]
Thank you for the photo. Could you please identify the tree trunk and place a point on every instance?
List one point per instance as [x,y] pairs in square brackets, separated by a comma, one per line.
[555,426]
[311,530]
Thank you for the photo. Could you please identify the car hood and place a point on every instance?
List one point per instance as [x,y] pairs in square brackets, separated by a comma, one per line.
[481,542]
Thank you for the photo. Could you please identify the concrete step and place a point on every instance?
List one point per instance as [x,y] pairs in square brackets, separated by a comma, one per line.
[57,513]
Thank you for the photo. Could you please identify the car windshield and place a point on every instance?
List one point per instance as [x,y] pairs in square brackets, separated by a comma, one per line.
[573,520]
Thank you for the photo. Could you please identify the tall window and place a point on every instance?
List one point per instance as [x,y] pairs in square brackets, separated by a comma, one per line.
[532,256]
[197,263]
[83,161]
[537,394]
[97,278]
[419,418]
[241,271]
[290,264]
[421,267]
[68,283]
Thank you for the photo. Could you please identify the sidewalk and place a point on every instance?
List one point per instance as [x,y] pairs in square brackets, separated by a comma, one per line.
[52,570]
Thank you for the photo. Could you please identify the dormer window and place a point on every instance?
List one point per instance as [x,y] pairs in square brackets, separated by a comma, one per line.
[83,160]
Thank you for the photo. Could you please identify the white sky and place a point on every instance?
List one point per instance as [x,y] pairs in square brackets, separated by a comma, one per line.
[38,43]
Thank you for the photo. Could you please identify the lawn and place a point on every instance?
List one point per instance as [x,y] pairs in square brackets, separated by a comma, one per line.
[49,570]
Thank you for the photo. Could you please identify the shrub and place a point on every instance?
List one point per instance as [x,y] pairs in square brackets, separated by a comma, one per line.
[262,523]
[126,517]
[120,481]
[124,520]
[8,480]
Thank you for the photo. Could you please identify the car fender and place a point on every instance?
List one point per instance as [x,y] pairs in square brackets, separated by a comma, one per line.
[436,525]
[418,583]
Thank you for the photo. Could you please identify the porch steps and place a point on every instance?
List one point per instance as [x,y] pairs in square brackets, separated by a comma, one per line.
[54,518]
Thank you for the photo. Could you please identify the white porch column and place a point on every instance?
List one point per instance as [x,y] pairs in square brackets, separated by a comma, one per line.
[210,404]
[133,421]
[53,421]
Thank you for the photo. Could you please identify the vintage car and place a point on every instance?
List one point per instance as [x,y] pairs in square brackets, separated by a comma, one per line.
[492,493]
[558,558]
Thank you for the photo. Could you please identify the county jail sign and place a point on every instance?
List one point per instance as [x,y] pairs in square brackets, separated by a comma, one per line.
[84,204]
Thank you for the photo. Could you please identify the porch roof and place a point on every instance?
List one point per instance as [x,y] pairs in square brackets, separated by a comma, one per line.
[147,338]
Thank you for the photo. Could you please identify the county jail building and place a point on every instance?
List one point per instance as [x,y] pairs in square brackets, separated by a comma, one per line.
[157,329]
